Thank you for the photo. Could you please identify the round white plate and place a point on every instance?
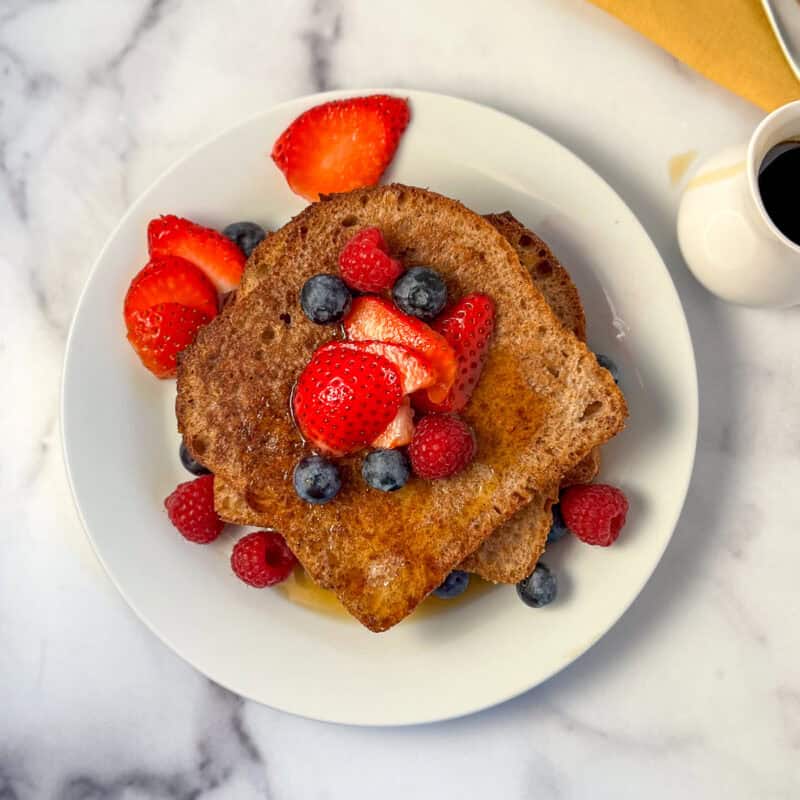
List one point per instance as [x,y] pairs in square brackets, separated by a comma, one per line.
[121,445]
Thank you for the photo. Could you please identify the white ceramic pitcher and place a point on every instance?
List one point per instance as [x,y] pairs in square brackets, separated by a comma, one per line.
[725,233]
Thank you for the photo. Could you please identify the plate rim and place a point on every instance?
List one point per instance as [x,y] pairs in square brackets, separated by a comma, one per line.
[692,396]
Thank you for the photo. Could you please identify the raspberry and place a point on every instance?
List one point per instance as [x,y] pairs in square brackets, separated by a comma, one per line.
[191,510]
[365,263]
[262,559]
[595,513]
[442,446]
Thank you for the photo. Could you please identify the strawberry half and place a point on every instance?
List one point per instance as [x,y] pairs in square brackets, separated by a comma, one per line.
[345,398]
[159,333]
[400,430]
[341,145]
[415,372]
[168,279]
[468,328]
[376,319]
[216,255]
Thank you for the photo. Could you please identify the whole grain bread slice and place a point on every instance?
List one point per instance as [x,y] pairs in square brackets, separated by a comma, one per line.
[543,403]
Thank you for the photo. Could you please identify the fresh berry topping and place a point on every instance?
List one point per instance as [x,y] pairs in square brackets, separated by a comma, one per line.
[376,319]
[344,398]
[316,480]
[168,279]
[325,299]
[539,588]
[467,326]
[415,371]
[191,510]
[262,559]
[559,529]
[595,512]
[189,463]
[341,145]
[245,235]
[442,446]
[215,254]
[420,292]
[365,263]
[387,470]
[453,585]
[399,431]
[607,363]
[161,332]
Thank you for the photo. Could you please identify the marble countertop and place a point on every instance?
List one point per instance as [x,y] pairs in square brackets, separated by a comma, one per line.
[695,693]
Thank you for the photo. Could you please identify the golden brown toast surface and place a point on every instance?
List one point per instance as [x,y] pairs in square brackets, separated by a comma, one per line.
[511,552]
[540,406]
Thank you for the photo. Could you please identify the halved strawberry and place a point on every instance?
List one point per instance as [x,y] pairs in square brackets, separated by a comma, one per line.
[468,326]
[216,255]
[415,372]
[159,333]
[400,430]
[341,145]
[169,279]
[345,398]
[376,319]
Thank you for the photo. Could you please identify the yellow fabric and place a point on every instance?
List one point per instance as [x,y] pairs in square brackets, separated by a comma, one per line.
[729,41]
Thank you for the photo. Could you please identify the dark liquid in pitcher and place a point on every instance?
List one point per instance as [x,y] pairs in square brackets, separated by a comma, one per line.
[779,185]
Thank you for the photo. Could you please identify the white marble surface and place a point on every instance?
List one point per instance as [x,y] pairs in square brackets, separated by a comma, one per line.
[695,693]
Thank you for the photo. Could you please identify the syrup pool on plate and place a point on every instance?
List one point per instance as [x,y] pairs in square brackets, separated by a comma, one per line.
[300,589]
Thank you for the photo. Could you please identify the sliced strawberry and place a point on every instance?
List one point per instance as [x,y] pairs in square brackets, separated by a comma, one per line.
[372,318]
[345,398]
[216,255]
[159,333]
[468,326]
[169,279]
[341,145]
[415,371]
[400,430]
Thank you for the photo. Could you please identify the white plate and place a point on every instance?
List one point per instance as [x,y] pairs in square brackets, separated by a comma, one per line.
[121,446]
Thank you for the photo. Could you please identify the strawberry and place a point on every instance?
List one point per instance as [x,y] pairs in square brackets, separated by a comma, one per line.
[365,263]
[169,279]
[468,327]
[216,255]
[159,333]
[345,398]
[372,318]
[400,430]
[415,372]
[341,145]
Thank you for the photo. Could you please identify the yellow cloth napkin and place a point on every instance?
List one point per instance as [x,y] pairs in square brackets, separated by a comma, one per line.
[729,41]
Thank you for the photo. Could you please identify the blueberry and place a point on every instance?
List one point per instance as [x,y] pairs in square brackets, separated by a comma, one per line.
[325,298]
[316,480]
[539,588]
[420,292]
[605,361]
[558,529]
[245,235]
[454,584]
[195,467]
[387,470]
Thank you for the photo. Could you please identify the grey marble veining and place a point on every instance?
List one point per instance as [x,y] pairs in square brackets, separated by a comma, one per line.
[694,693]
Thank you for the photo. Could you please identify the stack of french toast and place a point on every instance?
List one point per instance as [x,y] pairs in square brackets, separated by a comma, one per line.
[540,411]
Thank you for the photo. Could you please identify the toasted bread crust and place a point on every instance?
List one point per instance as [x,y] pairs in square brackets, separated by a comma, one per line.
[382,554]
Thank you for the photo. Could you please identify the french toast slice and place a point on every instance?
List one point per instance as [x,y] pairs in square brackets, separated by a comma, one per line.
[542,404]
